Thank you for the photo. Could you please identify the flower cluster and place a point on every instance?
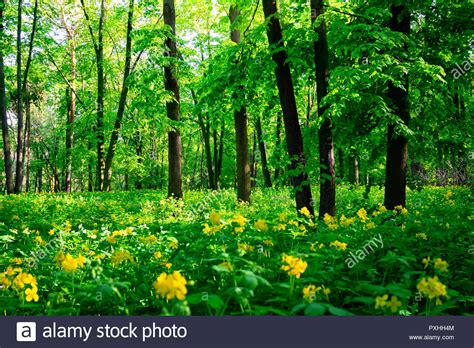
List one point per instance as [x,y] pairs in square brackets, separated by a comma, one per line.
[432,288]
[293,265]
[338,245]
[170,286]
[68,262]
[22,282]
[310,292]
[382,302]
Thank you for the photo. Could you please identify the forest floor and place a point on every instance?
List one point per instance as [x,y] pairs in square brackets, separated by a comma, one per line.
[141,253]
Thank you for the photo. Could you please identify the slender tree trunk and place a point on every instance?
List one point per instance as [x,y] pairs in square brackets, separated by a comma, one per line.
[26,141]
[19,147]
[354,170]
[267,180]
[122,102]
[277,153]
[327,198]
[294,139]
[139,152]
[71,110]
[172,107]
[205,131]
[397,144]
[240,125]
[7,156]
[341,169]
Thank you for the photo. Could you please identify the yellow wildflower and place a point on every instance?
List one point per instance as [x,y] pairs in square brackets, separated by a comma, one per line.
[305,211]
[17,261]
[157,255]
[240,219]
[268,242]
[309,293]
[282,217]
[441,265]
[421,236]
[294,265]
[238,229]
[338,245]
[227,265]
[215,218]
[171,286]
[279,227]
[394,304]
[51,232]
[69,264]
[370,225]
[432,288]
[120,256]
[362,214]
[426,261]
[31,294]
[381,301]
[261,225]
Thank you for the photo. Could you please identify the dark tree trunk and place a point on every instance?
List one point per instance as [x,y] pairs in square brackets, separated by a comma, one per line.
[294,139]
[172,107]
[253,161]
[7,156]
[139,152]
[122,102]
[240,124]
[327,198]
[397,144]
[267,180]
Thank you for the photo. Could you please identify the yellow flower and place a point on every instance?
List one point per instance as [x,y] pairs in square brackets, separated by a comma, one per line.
[441,265]
[157,255]
[432,288]
[394,304]
[17,261]
[168,265]
[51,232]
[426,261]
[227,265]
[381,301]
[240,219]
[238,229]
[404,211]
[111,239]
[282,217]
[362,214]
[39,240]
[173,243]
[309,293]
[279,227]
[245,247]
[81,260]
[261,225]
[294,265]
[120,256]
[210,230]
[339,245]
[346,222]
[421,236]
[268,242]
[171,286]
[304,211]
[326,291]
[215,218]
[31,294]
[69,264]
[370,225]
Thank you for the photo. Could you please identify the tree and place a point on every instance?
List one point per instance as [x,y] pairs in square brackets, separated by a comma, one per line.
[99,55]
[327,177]
[172,106]
[7,157]
[397,143]
[122,103]
[294,140]
[240,124]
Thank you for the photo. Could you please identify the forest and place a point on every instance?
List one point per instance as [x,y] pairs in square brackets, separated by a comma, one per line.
[236,157]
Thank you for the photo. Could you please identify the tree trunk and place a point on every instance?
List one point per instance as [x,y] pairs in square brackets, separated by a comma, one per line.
[71,110]
[172,107]
[294,139]
[26,142]
[267,180]
[7,156]
[122,102]
[19,105]
[354,170]
[397,144]
[327,198]
[240,125]
[277,153]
